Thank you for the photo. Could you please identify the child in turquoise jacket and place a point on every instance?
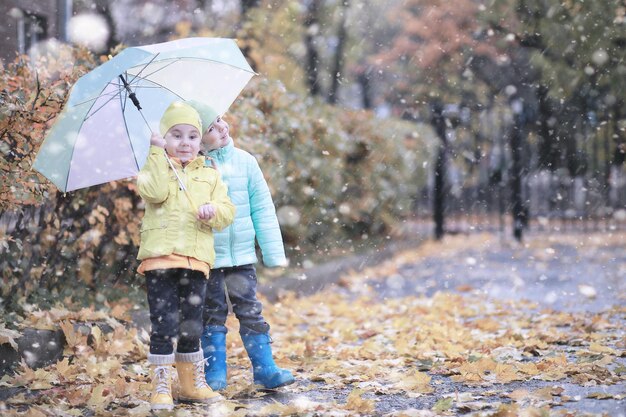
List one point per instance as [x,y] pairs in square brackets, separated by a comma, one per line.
[234,273]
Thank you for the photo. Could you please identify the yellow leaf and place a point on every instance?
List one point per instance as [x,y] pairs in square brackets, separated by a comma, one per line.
[518,395]
[528,368]
[443,404]
[72,337]
[506,373]
[487,324]
[35,412]
[542,394]
[278,408]
[119,311]
[418,382]
[356,402]
[8,336]
[77,397]
[98,397]
[42,379]
[600,395]
[141,410]
[598,348]
[96,334]
[506,410]
[63,367]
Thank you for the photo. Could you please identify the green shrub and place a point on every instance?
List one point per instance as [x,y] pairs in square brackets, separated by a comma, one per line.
[340,179]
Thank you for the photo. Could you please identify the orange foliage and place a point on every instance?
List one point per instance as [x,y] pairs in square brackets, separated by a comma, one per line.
[49,239]
[435,42]
[312,155]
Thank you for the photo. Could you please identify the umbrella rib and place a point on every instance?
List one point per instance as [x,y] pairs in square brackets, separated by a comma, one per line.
[67,178]
[112,94]
[144,67]
[223,63]
[123,105]
[91,113]
[174,60]
[123,101]
[191,58]
[177,59]
[147,87]
[156,85]
[145,77]
[115,94]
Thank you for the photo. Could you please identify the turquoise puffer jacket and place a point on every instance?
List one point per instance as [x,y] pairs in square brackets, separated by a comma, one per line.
[255,215]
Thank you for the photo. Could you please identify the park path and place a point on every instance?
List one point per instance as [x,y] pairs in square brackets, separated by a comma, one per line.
[572,280]
[471,325]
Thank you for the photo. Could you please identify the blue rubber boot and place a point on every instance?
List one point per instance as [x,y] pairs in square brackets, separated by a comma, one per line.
[213,342]
[264,368]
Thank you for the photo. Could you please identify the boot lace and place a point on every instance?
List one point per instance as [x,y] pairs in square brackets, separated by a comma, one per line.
[161,374]
[198,374]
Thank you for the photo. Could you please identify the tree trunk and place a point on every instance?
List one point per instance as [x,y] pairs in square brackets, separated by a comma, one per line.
[342,37]
[105,8]
[549,151]
[246,5]
[366,89]
[619,155]
[607,159]
[203,4]
[311,25]
[439,202]
[519,209]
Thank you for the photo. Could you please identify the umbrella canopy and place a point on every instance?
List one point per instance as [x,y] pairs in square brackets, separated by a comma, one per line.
[103,132]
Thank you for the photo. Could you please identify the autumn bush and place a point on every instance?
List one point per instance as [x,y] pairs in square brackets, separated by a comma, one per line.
[341,180]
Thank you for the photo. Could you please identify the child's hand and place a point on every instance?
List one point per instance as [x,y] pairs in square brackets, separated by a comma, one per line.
[157,140]
[206,212]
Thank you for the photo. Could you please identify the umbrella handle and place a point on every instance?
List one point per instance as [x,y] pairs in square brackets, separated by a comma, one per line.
[182,185]
[131,94]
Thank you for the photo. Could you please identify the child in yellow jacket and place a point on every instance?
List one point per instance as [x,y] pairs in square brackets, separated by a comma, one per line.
[182,209]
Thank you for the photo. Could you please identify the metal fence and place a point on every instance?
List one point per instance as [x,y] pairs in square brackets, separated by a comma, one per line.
[555,203]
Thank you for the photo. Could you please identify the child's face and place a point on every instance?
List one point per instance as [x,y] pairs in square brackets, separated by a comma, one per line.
[217,135]
[183,142]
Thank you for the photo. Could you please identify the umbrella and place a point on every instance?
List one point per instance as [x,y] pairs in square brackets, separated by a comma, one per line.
[103,132]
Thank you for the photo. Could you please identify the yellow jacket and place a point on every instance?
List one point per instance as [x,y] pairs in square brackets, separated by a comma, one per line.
[170,224]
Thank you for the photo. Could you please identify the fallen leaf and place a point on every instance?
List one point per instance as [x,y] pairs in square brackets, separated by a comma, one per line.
[73,338]
[443,404]
[600,395]
[598,348]
[356,402]
[519,395]
[9,336]
[418,382]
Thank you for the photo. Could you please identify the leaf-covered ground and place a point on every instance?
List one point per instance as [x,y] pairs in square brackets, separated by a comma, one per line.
[468,326]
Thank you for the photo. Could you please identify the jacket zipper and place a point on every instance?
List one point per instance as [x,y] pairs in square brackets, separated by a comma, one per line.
[231,233]
[180,189]
[232,244]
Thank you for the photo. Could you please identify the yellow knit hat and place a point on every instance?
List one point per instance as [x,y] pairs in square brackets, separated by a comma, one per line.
[179,113]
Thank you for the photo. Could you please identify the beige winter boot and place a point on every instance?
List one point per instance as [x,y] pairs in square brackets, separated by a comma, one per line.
[162,373]
[193,386]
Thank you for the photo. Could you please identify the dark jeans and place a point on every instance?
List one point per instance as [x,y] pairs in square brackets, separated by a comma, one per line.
[175,299]
[240,283]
